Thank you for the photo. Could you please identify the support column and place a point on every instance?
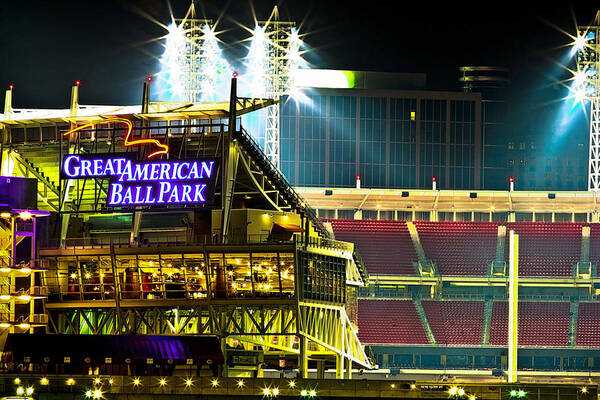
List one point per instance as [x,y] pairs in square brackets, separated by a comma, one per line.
[339,366]
[303,358]
[320,369]
[513,303]
[348,368]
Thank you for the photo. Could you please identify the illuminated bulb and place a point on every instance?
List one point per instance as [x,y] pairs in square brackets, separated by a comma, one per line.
[4,269]
[87,275]
[44,381]
[24,297]
[393,385]
[73,276]
[136,382]
[453,390]
[189,382]
[472,397]
[5,297]
[275,391]
[5,215]
[312,393]
[17,381]
[25,270]
[110,381]
[304,393]
[162,382]
[29,391]
[292,384]
[25,215]
[88,393]
[521,393]
[513,393]
[97,394]
[584,390]
[24,325]
[214,382]
[413,386]
[70,382]
[240,383]
[579,42]
[461,392]
[20,391]
[97,381]
[266,392]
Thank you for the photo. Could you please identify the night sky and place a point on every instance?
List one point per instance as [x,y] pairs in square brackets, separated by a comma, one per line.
[46,45]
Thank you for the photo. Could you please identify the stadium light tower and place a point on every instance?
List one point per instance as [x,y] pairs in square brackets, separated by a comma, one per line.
[192,61]
[281,43]
[586,84]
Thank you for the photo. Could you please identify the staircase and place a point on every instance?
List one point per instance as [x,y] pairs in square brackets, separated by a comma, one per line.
[585,244]
[424,321]
[487,322]
[501,243]
[250,147]
[414,235]
[573,319]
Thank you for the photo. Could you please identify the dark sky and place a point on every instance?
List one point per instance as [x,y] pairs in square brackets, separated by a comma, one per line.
[46,45]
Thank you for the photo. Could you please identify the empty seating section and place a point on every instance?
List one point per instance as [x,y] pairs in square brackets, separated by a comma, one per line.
[499,324]
[546,248]
[588,326]
[385,246]
[595,243]
[544,324]
[389,322]
[455,322]
[459,248]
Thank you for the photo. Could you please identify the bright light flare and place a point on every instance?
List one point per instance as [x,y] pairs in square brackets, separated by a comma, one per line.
[580,42]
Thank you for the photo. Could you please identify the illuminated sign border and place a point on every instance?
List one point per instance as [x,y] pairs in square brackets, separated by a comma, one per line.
[147,183]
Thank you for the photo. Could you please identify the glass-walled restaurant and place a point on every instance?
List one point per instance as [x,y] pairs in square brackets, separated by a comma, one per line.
[218,275]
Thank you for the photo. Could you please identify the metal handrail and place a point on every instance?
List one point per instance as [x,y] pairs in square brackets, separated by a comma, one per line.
[299,200]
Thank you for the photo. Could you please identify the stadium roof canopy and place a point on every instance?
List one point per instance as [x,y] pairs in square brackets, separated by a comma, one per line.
[156,111]
[451,200]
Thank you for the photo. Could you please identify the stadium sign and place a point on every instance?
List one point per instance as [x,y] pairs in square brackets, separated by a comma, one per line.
[146,183]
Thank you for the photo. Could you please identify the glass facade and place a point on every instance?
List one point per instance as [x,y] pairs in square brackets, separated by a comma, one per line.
[391,138]
[173,276]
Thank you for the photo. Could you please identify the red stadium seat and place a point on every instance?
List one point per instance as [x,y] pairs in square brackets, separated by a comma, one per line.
[455,322]
[541,324]
[385,246]
[588,326]
[389,322]
[459,248]
[547,248]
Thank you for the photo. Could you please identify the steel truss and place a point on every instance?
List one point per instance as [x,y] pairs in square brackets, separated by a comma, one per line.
[588,79]
[277,78]
[326,328]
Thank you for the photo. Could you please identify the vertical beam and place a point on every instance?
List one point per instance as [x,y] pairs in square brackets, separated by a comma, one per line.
[229,163]
[74,100]
[339,366]
[303,358]
[8,104]
[477,144]
[513,302]
[137,215]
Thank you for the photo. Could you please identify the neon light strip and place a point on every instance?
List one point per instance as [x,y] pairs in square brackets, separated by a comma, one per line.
[126,143]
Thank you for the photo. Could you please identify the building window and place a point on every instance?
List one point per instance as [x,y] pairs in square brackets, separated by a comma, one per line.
[511,146]
[511,162]
[413,115]
[522,162]
[521,146]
